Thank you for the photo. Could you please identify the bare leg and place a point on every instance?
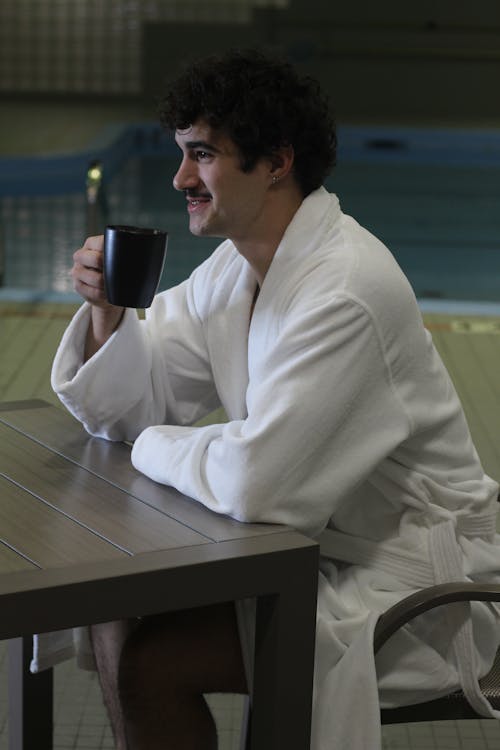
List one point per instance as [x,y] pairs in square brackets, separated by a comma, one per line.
[108,640]
[163,668]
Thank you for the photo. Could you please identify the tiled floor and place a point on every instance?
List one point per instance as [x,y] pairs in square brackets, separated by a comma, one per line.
[462,735]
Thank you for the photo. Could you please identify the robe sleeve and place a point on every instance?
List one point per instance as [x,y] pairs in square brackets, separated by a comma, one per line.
[146,373]
[323,411]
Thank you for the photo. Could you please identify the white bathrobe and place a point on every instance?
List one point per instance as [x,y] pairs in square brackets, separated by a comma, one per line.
[343,424]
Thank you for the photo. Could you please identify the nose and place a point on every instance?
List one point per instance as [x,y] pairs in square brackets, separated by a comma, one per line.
[186,176]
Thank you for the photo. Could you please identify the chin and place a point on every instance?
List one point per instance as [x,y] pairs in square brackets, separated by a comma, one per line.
[205,231]
[197,230]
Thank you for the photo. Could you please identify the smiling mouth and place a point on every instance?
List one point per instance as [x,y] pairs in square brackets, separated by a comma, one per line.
[197,197]
[193,203]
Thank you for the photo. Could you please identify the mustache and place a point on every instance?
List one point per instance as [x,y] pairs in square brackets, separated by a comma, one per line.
[194,195]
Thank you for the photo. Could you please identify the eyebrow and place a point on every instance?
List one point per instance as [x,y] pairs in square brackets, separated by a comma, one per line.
[202,144]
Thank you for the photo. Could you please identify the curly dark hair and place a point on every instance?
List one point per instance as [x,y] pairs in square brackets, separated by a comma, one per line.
[262,104]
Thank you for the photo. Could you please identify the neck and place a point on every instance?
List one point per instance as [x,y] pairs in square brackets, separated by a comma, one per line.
[259,250]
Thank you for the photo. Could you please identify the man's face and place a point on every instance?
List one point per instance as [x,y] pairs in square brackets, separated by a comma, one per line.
[222,200]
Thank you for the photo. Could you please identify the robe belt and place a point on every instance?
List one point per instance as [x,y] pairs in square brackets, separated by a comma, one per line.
[411,569]
[447,559]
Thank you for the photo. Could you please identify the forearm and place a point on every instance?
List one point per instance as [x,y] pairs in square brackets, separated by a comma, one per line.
[103,323]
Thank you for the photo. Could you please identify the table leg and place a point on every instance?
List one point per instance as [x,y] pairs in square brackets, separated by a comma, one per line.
[30,700]
[283,667]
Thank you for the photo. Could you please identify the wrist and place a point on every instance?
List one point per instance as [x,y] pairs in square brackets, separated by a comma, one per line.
[103,323]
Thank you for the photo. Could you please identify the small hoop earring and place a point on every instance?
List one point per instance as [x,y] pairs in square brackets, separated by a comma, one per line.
[275,179]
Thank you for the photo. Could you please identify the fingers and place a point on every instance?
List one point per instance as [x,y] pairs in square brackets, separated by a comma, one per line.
[87,271]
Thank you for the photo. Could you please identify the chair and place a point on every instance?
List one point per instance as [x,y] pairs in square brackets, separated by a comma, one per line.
[455,705]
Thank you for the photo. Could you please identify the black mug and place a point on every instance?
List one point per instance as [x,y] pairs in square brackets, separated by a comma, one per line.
[133,263]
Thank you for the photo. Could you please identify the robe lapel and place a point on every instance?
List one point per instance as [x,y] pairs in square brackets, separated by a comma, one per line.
[228,341]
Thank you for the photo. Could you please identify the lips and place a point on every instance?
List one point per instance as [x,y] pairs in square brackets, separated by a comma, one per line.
[190,197]
[194,202]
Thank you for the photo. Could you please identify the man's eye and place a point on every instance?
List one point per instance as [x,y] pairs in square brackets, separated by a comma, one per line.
[202,155]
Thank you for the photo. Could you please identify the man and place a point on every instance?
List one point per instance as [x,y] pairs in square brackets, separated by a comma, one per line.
[342,421]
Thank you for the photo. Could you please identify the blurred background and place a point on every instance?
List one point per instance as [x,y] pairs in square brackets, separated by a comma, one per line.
[435,61]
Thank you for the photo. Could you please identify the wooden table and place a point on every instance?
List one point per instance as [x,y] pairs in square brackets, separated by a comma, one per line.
[85,538]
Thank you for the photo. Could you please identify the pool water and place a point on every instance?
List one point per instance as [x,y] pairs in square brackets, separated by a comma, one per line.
[440,220]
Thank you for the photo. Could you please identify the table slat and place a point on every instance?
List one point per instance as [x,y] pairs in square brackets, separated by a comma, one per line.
[11,561]
[105,509]
[45,536]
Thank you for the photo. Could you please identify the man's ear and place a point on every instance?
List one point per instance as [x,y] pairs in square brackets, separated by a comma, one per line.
[282,162]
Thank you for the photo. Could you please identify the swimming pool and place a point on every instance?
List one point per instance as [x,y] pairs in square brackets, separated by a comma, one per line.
[432,196]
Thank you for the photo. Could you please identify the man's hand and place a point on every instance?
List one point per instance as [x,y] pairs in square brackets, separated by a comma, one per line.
[88,282]
[88,278]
